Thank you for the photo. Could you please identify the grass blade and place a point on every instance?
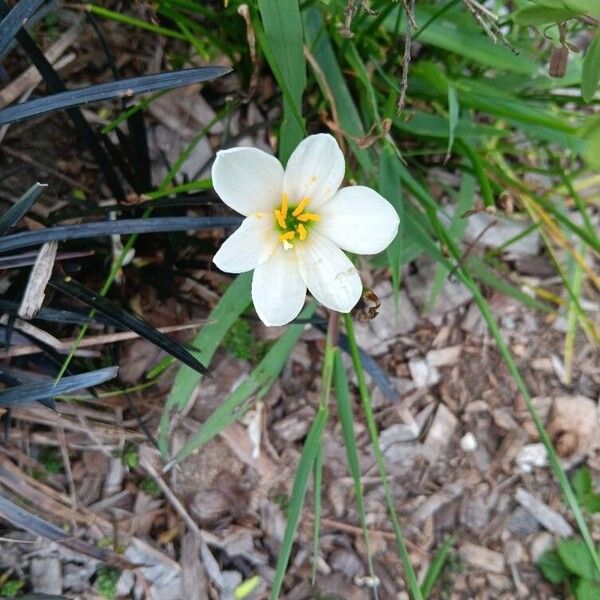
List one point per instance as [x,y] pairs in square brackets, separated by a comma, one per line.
[72,288]
[18,210]
[232,304]
[124,88]
[436,566]
[283,33]
[409,571]
[307,459]
[344,408]
[32,392]
[257,383]
[121,227]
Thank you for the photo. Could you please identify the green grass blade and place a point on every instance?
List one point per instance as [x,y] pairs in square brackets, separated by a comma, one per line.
[409,572]
[344,408]
[307,458]
[283,41]
[257,383]
[233,303]
[317,505]
[435,568]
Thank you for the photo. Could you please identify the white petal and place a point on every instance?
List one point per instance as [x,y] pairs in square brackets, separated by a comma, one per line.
[329,274]
[248,246]
[278,290]
[315,170]
[359,220]
[248,179]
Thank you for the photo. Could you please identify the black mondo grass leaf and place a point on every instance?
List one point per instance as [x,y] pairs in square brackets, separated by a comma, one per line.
[16,212]
[23,519]
[104,228]
[29,393]
[134,323]
[15,20]
[125,88]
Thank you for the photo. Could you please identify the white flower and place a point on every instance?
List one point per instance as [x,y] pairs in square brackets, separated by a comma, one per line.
[298,222]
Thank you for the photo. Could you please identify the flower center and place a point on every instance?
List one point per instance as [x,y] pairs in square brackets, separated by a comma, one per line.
[293,222]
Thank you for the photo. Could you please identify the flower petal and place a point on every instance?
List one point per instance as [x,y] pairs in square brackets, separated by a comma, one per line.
[250,245]
[278,290]
[248,179]
[315,170]
[359,220]
[329,274]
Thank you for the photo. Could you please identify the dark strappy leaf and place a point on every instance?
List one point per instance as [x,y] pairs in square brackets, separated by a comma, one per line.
[125,88]
[134,323]
[18,210]
[122,227]
[29,393]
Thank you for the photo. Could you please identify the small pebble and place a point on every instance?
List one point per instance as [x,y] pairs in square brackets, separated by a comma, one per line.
[468,442]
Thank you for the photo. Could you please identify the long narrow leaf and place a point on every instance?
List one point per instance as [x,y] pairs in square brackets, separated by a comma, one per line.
[18,210]
[15,20]
[260,380]
[32,392]
[307,458]
[97,302]
[122,227]
[233,303]
[23,519]
[124,88]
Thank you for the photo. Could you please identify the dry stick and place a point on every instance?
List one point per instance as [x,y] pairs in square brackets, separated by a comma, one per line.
[108,338]
[334,113]
[244,12]
[409,7]
[211,564]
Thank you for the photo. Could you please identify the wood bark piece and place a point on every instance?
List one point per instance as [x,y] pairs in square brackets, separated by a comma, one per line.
[543,514]
[33,297]
[482,558]
[440,433]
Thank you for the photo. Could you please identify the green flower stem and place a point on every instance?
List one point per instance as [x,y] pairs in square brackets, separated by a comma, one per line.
[365,399]
[331,351]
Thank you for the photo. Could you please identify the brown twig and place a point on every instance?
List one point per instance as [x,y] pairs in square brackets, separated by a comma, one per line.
[409,7]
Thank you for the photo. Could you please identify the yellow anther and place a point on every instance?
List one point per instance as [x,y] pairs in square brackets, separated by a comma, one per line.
[302,231]
[280,219]
[288,235]
[284,205]
[309,217]
[300,208]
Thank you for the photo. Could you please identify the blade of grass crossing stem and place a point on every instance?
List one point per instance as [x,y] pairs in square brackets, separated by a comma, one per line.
[284,38]
[435,568]
[344,408]
[256,384]
[409,572]
[19,209]
[128,20]
[231,305]
[307,459]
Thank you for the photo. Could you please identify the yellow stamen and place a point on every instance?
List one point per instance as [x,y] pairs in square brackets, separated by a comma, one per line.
[300,208]
[280,219]
[284,205]
[309,217]
[288,235]
[302,231]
